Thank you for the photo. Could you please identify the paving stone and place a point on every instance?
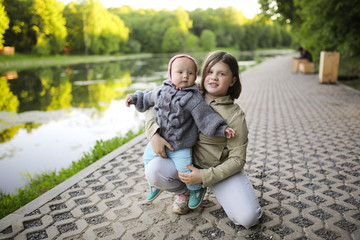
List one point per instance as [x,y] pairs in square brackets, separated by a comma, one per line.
[303,159]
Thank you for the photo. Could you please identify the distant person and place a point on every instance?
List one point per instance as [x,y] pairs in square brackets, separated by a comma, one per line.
[180,111]
[304,57]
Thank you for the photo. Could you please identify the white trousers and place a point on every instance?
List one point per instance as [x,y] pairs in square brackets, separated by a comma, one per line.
[235,194]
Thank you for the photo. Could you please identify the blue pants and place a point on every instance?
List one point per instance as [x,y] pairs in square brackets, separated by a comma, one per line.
[181,158]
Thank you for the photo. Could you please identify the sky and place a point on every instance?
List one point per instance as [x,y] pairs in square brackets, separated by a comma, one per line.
[248,7]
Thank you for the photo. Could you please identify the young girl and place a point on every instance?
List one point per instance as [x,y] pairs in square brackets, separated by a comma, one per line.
[219,161]
[180,111]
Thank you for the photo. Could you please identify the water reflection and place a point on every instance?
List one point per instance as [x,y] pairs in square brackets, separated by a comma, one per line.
[49,116]
[78,86]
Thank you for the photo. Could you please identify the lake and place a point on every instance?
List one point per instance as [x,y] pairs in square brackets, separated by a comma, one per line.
[50,116]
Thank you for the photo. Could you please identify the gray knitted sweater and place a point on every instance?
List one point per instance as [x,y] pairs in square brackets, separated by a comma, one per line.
[180,114]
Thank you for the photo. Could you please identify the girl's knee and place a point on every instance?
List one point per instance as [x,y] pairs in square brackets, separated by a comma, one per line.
[248,218]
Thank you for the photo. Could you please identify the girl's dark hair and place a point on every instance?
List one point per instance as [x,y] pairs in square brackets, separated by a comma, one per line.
[228,59]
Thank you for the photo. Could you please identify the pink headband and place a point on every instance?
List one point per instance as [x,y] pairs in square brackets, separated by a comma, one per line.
[180,56]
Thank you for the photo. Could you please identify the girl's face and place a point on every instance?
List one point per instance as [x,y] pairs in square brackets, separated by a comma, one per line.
[217,81]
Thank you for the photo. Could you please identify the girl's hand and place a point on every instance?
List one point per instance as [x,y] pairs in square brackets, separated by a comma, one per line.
[127,101]
[159,144]
[229,132]
[191,178]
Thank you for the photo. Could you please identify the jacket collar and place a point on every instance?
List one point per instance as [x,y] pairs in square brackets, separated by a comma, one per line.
[225,100]
[191,88]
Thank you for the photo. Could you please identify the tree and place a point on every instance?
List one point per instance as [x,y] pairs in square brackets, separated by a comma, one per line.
[320,25]
[93,29]
[153,30]
[183,20]
[173,40]
[8,101]
[36,25]
[330,25]
[19,33]
[204,19]
[138,22]
[207,40]
[49,26]
[75,26]
[191,43]
[250,38]
[4,22]
[285,11]
[238,34]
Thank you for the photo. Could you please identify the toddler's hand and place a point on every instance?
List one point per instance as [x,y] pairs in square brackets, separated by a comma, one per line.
[127,101]
[229,132]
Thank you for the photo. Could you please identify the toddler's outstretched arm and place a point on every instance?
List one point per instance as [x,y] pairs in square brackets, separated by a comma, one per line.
[128,101]
[229,132]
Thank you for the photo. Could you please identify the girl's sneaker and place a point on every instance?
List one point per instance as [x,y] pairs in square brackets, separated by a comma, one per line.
[180,204]
[154,193]
[196,197]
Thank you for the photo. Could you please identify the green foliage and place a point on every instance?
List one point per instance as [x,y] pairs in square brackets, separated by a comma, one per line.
[36,25]
[191,43]
[49,26]
[75,25]
[104,31]
[8,101]
[44,182]
[4,22]
[20,33]
[205,19]
[322,25]
[285,10]
[155,31]
[94,30]
[330,25]
[173,40]
[207,40]
[91,29]
[249,41]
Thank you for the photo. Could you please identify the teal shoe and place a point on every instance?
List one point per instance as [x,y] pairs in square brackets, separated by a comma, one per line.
[154,193]
[196,197]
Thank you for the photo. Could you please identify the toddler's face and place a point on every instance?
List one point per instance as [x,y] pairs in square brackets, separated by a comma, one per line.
[183,72]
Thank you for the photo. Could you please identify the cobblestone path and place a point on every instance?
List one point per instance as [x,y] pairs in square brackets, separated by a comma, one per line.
[303,160]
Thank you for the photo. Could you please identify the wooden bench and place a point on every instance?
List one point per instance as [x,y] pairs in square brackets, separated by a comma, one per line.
[329,67]
[306,67]
[7,50]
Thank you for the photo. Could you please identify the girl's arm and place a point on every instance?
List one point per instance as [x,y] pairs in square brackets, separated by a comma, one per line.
[232,164]
[151,127]
[158,143]
[194,177]
[236,157]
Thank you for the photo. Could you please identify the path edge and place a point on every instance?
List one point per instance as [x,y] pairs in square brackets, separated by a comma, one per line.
[55,191]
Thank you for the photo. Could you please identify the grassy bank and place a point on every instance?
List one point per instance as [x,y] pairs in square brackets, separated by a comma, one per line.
[46,181]
[23,61]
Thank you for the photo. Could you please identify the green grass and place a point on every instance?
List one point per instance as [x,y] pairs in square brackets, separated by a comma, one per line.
[42,183]
[25,61]
[18,57]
